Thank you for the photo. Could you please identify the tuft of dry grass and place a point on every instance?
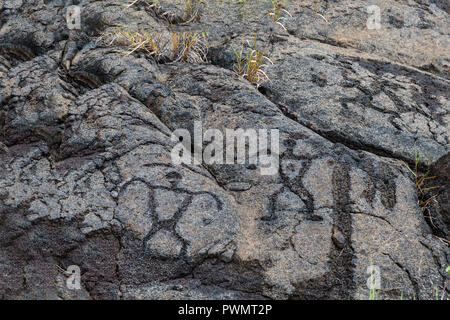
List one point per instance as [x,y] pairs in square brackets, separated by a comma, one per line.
[317,8]
[276,13]
[189,47]
[190,12]
[422,181]
[250,66]
[136,41]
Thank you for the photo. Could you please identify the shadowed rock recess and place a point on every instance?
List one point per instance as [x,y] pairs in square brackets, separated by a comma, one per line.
[86,176]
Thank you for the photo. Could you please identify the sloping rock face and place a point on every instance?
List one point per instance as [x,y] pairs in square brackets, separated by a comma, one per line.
[86,176]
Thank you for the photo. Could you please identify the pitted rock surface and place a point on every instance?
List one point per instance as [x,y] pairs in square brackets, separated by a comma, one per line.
[86,176]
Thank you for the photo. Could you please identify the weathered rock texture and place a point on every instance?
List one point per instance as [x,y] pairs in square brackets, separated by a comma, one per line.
[86,176]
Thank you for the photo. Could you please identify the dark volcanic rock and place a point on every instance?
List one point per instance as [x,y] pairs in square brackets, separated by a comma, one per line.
[441,171]
[86,176]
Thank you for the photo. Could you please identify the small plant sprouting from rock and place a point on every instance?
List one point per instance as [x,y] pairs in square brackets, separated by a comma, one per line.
[191,13]
[446,283]
[276,13]
[189,47]
[136,41]
[373,294]
[250,66]
[317,8]
[421,181]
